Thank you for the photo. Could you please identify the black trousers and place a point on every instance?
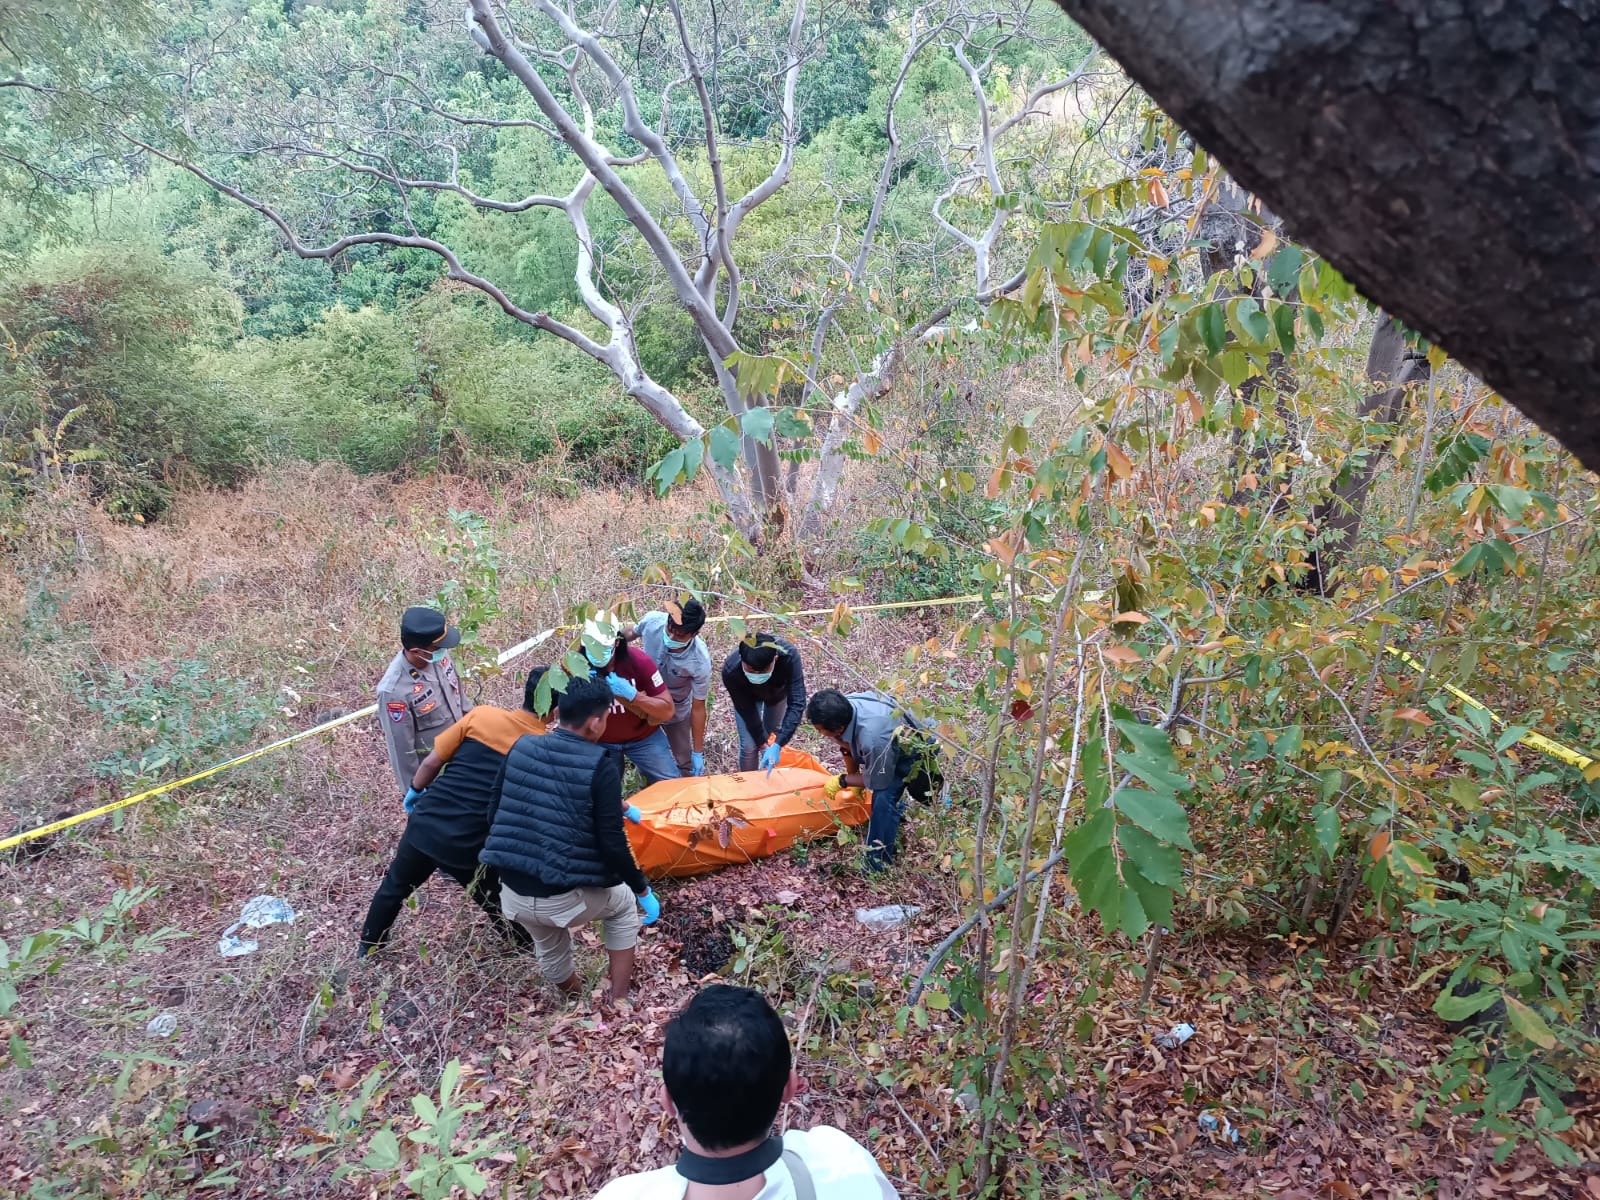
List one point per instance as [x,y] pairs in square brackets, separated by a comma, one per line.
[915,773]
[411,868]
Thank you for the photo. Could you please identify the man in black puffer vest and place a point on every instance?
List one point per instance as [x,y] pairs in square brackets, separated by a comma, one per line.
[556,840]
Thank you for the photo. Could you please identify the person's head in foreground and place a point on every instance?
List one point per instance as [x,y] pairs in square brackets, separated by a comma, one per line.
[830,713]
[728,1071]
[727,1068]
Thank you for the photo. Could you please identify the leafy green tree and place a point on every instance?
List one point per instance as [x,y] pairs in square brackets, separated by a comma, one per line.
[1151,707]
[376,130]
[71,75]
[100,379]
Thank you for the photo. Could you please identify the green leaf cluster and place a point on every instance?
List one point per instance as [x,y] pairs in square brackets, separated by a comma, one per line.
[1125,858]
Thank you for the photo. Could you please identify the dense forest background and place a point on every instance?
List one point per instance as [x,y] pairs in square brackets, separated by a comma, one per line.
[239,351]
[1259,635]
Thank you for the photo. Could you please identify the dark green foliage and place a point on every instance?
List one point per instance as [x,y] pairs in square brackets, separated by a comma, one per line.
[842,84]
[897,564]
[99,380]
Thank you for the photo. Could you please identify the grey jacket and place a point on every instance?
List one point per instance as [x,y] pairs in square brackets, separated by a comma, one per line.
[870,735]
[687,673]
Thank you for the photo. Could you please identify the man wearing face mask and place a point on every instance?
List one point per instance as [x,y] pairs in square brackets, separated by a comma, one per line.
[640,703]
[767,685]
[420,695]
[671,636]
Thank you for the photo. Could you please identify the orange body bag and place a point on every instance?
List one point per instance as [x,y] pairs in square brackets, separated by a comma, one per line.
[694,825]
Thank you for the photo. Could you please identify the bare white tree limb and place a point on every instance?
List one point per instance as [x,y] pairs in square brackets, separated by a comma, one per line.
[633,124]
[825,486]
[868,386]
[876,378]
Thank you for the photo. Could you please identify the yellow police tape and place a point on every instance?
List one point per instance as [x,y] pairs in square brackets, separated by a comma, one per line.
[1536,740]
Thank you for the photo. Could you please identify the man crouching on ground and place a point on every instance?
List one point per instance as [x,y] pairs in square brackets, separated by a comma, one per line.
[556,839]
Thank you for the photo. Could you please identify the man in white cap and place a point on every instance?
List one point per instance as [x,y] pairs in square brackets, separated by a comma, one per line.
[420,695]
[640,702]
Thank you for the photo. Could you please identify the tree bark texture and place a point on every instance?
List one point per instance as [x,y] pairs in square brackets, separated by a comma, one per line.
[1443,154]
[1396,369]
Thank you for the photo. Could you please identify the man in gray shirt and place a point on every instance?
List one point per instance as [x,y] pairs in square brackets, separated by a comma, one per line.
[886,751]
[671,636]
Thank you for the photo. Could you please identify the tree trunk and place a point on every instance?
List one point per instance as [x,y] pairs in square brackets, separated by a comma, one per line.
[1444,156]
[1229,230]
[1338,519]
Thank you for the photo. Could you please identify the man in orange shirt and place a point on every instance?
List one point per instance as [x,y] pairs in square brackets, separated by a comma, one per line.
[449,819]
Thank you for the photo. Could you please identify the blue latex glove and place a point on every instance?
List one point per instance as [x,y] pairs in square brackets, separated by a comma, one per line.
[621,688]
[769,757]
[412,796]
[651,907]
[697,762]
[633,814]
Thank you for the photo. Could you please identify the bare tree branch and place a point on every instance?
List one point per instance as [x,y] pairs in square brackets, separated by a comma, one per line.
[719,341]
[390,175]
[453,268]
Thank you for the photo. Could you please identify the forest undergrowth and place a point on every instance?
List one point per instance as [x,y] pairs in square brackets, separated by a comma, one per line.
[1311,1071]
[1270,866]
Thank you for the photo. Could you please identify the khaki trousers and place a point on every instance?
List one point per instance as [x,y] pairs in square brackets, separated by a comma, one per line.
[550,920]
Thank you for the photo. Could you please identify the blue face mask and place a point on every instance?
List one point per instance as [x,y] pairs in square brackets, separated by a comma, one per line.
[603,662]
[436,656]
[753,677]
[674,645]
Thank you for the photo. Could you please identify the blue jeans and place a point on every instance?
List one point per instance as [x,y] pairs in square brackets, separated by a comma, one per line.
[652,754]
[771,718]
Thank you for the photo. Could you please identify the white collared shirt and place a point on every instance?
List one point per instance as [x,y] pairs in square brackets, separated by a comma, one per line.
[841,1169]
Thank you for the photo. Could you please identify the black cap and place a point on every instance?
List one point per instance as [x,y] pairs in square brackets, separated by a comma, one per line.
[426,629]
[688,616]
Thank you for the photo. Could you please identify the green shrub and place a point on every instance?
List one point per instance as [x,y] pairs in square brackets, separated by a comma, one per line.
[170,715]
[444,378]
[943,565]
[98,379]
